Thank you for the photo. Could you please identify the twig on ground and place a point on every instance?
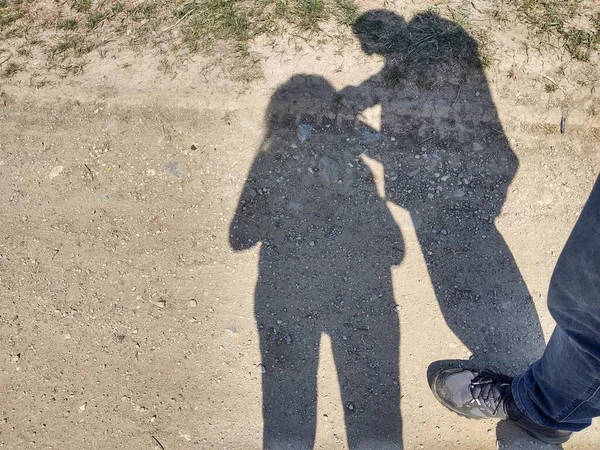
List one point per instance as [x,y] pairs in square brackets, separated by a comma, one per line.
[178,22]
[89,171]
[554,83]
[457,95]
[158,442]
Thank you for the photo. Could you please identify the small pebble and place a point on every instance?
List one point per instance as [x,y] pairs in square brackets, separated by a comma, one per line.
[262,368]
[161,303]
[351,406]
[55,171]
[325,418]
[303,132]
[193,303]
[173,169]
[369,136]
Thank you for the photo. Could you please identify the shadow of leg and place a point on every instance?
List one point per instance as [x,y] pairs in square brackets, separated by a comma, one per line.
[289,389]
[367,361]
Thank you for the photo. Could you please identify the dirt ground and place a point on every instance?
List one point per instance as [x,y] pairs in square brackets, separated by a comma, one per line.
[159,228]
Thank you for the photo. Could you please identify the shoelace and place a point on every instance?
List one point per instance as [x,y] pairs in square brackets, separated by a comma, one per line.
[490,389]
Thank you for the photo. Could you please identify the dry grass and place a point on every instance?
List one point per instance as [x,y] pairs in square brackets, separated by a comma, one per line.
[70,29]
[66,31]
[567,24]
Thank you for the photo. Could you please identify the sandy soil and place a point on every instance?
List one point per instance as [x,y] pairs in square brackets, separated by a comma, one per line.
[158,229]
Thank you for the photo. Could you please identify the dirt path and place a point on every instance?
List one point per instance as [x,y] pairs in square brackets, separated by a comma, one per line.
[128,313]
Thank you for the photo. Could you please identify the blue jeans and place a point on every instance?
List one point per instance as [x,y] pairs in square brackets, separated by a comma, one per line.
[562,389]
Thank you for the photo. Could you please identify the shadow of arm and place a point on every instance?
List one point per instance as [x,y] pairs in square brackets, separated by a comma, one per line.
[246,228]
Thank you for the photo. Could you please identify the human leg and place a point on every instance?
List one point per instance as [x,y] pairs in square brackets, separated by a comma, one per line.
[562,389]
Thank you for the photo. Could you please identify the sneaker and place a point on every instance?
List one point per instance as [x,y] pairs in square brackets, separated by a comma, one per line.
[483,394]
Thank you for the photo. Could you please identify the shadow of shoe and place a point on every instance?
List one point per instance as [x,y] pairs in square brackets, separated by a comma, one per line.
[510,437]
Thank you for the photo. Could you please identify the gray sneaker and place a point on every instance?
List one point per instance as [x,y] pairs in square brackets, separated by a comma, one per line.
[473,394]
[483,394]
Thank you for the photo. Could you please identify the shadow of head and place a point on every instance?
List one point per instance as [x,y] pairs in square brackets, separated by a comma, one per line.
[426,44]
[302,99]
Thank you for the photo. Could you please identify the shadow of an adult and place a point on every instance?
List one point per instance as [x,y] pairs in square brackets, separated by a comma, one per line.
[450,166]
[327,243]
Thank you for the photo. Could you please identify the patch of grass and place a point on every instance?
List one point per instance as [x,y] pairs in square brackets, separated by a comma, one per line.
[308,14]
[234,24]
[95,18]
[186,9]
[11,69]
[117,8]
[144,11]
[345,12]
[560,20]
[75,43]
[224,20]
[214,20]
[69,43]
[223,28]
[81,6]
[8,19]
[67,24]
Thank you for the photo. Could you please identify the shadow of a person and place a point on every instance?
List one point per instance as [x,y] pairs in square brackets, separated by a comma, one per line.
[327,244]
[450,166]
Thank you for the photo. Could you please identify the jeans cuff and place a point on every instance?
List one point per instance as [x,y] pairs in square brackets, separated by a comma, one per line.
[519,394]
